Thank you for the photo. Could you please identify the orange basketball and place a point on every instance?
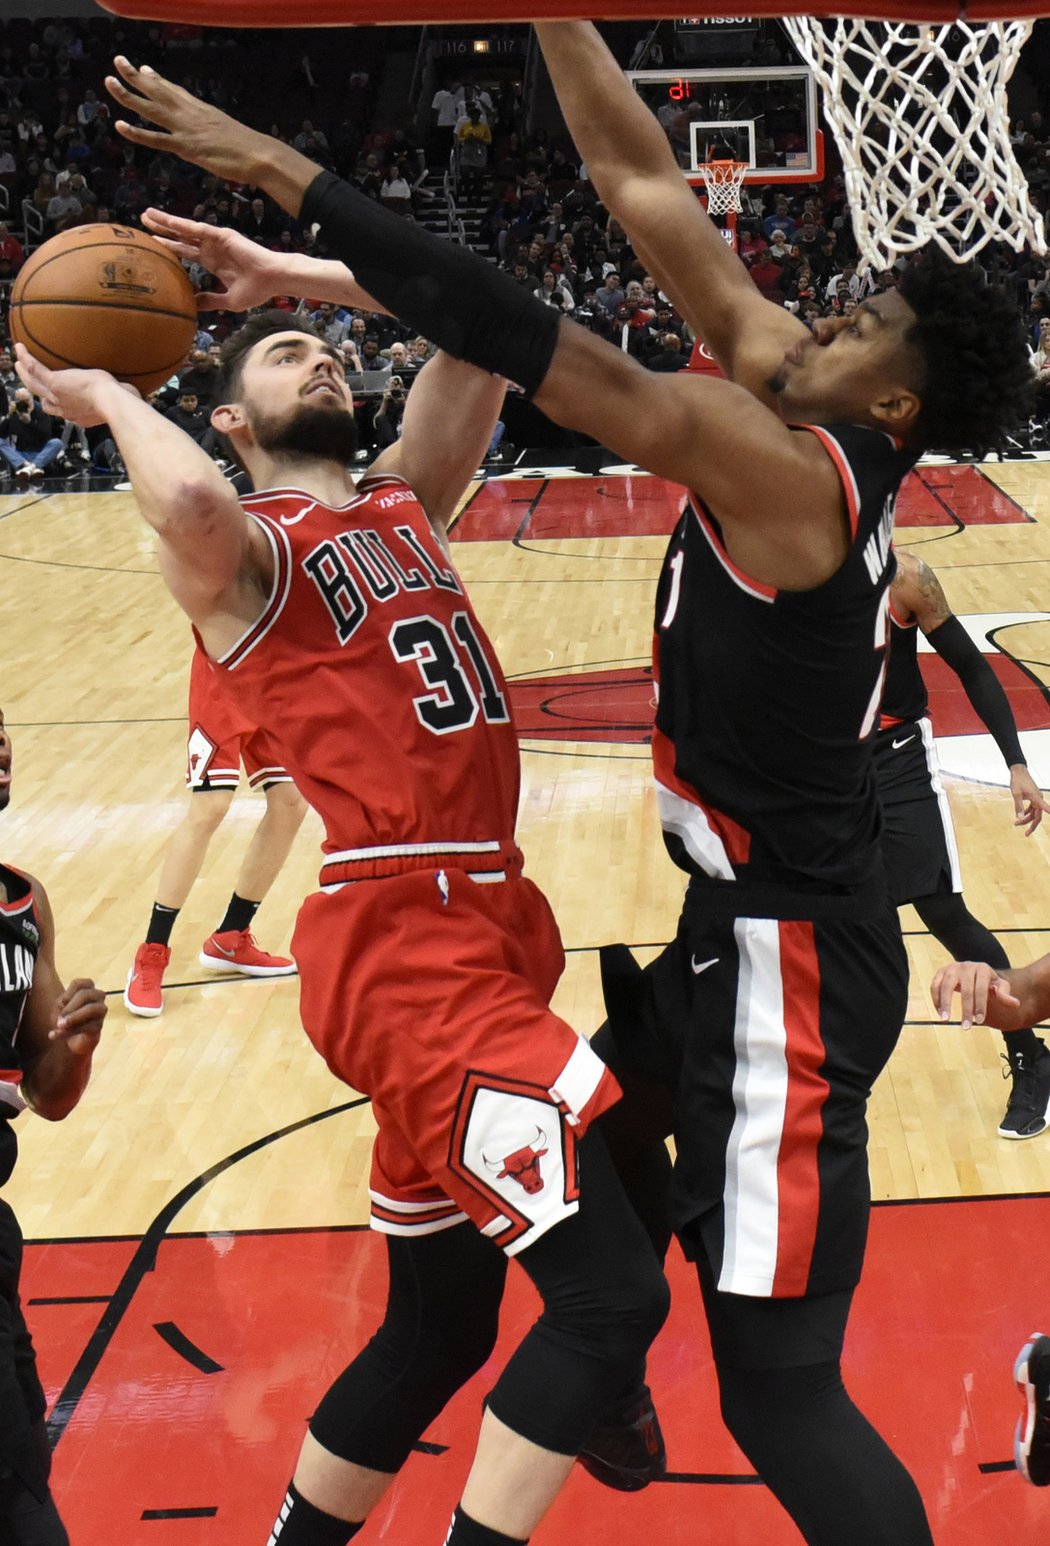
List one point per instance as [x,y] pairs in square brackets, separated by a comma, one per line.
[106,297]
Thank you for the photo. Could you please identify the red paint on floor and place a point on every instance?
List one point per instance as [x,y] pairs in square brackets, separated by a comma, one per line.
[952,712]
[616,705]
[937,1321]
[535,509]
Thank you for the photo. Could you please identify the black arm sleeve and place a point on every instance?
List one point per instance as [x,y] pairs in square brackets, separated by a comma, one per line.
[465,305]
[983,688]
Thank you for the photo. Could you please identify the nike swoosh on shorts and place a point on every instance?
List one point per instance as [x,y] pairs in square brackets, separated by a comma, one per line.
[898,744]
[703,965]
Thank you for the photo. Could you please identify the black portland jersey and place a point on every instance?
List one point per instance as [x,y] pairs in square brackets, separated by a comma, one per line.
[904,697]
[767,699]
[19,943]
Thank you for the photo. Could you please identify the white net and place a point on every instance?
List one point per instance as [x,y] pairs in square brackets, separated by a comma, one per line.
[921,119]
[723,180]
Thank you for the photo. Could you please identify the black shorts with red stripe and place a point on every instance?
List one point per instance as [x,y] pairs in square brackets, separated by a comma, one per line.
[770,1016]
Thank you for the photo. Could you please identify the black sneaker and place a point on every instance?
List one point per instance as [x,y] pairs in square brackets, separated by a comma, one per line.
[1028,1109]
[1032,1439]
[627,1451]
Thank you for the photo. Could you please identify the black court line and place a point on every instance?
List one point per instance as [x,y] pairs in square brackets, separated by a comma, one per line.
[61,724]
[145,1260]
[989,1467]
[6,514]
[1026,515]
[178,1513]
[73,1298]
[709,1479]
[180,1343]
[422,1447]
[55,563]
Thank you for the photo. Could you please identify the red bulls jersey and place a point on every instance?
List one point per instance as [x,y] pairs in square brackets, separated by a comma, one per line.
[767,698]
[369,665]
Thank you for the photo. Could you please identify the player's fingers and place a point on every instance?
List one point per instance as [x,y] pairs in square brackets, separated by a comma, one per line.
[1000,991]
[941,989]
[153,139]
[174,225]
[212,300]
[180,249]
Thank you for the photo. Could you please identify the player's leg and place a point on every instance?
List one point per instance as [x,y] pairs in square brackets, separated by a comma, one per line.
[604,1299]
[784,1402]
[367,1424]
[232,946]
[28,1516]
[772,1193]
[183,859]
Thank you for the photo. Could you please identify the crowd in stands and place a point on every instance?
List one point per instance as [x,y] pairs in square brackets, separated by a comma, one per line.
[62,164]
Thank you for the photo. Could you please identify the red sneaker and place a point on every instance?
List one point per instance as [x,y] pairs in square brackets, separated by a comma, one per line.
[236,951]
[142,994]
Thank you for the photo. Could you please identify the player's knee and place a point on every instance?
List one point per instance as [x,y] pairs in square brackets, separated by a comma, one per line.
[286,805]
[761,1406]
[208,808]
[617,1319]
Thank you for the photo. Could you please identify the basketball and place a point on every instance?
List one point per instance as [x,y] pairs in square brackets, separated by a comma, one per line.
[106,297]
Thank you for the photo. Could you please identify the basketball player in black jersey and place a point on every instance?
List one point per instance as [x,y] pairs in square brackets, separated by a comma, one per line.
[918,841]
[48,1034]
[772,620]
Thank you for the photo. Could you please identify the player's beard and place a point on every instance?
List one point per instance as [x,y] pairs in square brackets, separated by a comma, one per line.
[329,433]
[5,796]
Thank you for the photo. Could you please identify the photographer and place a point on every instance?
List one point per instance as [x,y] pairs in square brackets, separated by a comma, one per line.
[28,445]
[387,422]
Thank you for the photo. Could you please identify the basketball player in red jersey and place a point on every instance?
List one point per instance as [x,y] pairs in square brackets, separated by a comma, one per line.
[771,622]
[918,840]
[426,959]
[48,1035]
[220,739]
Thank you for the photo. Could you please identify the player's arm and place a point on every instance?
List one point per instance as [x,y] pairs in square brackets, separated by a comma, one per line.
[918,589]
[449,417]
[1008,1000]
[632,166]
[60,1028]
[712,436]
[252,275]
[212,558]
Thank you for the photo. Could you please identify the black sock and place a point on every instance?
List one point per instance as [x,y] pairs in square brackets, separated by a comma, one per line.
[467,1532]
[1026,1042]
[161,923]
[239,915]
[300,1524]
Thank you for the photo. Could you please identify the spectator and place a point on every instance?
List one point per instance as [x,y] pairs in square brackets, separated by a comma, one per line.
[27,442]
[395,191]
[670,356]
[12,253]
[779,220]
[387,422]
[333,326]
[473,138]
[448,108]
[611,296]
[553,291]
[374,369]
[312,142]
[63,210]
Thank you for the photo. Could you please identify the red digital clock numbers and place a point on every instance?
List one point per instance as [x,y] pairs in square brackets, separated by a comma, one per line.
[680,91]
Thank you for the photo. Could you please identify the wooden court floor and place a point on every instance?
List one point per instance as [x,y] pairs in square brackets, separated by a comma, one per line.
[217,1123]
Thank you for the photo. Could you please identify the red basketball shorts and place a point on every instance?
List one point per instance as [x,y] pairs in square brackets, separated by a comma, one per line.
[221,738]
[429,992]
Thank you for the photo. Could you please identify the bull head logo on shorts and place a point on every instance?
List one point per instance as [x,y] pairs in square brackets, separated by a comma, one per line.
[523,1165]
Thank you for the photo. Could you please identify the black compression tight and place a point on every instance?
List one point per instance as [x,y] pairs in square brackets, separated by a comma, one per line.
[783,1400]
[604,1299]
[950,921]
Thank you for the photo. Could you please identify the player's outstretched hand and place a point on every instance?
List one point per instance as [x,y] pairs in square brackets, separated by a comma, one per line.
[79,1016]
[185,126]
[65,394]
[1029,803]
[251,275]
[984,997]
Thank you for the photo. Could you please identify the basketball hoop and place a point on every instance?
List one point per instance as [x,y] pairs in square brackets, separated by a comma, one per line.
[723,180]
[922,123]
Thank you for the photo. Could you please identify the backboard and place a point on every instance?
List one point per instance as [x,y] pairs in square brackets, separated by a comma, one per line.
[767,116]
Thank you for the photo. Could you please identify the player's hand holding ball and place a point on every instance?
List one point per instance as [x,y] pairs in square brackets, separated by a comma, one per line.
[77,395]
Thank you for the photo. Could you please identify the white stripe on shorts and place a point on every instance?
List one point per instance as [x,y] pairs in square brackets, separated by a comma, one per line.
[945,809]
[760,1088]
